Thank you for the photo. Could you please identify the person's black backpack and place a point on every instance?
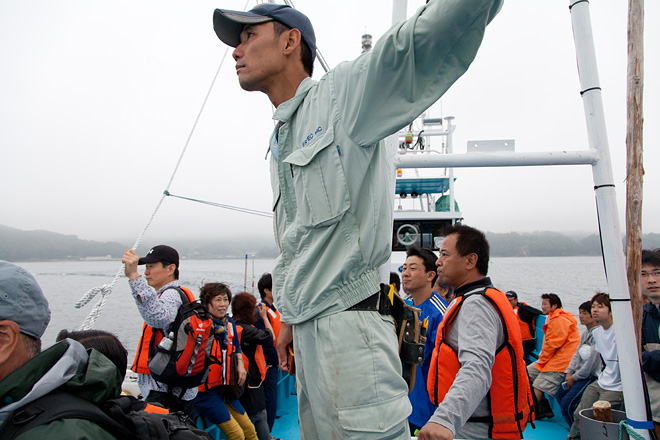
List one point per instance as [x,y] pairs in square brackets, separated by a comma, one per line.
[185,362]
[118,416]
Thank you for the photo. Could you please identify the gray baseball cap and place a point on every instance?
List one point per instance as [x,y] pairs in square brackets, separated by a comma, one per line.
[22,300]
[229,24]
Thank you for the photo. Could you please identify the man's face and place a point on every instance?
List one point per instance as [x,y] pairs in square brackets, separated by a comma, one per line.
[586,318]
[513,302]
[651,283]
[258,56]
[600,312]
[546,308]
[414,276]
[451,266]
[158,275]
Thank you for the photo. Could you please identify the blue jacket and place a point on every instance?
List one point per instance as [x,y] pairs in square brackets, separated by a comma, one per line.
[650,327]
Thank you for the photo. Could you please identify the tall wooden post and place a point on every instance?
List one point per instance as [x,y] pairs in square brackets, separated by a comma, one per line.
[634,167]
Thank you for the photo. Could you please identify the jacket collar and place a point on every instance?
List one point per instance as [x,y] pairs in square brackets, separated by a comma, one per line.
[469,287]
[651,308]
[284,112]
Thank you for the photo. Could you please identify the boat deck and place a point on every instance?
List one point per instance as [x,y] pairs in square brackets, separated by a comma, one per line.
[287,427]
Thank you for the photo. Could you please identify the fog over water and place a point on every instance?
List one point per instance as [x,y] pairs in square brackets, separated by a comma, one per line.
[574,279]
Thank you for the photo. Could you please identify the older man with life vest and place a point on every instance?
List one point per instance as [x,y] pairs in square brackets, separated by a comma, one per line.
[477,375]
[158,296]
[559,345]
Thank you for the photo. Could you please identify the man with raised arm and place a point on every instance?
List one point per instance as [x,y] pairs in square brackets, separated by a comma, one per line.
[332,204]
[477,374]
[158,296]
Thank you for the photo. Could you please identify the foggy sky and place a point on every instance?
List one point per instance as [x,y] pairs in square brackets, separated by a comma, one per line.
[97,101]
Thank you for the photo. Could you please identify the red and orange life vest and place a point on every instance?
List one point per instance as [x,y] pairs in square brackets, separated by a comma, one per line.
[220,371]
[524,327]
[149,339]
[510,397]
[259,358]
[275,322]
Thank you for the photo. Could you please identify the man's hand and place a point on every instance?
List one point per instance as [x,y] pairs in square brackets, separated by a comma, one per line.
[242,373]
[130,260]
[262,309]
[283,340]
[434,431]
[569,380]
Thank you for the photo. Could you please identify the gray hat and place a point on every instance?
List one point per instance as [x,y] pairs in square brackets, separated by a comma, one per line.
[22,301]
[229,24]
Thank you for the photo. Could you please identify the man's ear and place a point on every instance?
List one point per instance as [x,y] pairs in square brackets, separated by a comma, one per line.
[294,39]
[471,261]
[10,336]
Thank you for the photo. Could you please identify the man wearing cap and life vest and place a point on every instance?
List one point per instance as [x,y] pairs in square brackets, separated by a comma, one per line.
[332,201]
[477,374]
[527,319]
[158,300]
[265,286]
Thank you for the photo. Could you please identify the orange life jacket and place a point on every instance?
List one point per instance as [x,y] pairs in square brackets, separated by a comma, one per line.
[259,357]
[148,341]
[511,403]
[220,371]
[275,322]
[524,327]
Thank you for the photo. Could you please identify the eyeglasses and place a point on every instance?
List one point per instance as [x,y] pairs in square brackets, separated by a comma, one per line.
[654,274]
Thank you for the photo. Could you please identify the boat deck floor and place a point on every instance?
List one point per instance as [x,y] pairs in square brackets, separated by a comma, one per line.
[287,427]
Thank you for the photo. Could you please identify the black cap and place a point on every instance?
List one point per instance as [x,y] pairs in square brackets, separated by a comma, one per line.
[161,253]
[511,294]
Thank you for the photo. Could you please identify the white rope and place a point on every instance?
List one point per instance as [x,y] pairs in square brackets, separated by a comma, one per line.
[106,289]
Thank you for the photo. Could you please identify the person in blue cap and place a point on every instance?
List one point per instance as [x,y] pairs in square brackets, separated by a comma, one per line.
[332,201]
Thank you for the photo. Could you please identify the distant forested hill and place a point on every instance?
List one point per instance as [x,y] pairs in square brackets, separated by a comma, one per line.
[552,244]
[18,245]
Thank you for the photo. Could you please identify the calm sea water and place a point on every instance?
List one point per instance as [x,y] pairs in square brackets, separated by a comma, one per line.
[574,279]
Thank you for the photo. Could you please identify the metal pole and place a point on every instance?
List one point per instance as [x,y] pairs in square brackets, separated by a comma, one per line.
[450,150]
[608,218]
[399,13]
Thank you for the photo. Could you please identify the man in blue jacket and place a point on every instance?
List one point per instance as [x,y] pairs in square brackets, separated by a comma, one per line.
[332,206]
[650,328]
[418,280]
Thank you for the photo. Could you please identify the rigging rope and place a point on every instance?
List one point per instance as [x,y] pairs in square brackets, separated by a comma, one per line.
[220,205]
[106,289]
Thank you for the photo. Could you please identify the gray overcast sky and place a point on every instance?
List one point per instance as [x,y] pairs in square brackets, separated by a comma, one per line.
[97,100]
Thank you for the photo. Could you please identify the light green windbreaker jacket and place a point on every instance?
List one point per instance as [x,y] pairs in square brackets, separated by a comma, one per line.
[330,179]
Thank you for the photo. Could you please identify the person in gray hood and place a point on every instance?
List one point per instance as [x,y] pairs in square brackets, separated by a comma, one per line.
[27,374]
